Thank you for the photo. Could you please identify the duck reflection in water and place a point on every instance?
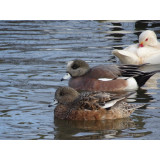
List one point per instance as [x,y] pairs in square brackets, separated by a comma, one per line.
[152,83]
[106,129]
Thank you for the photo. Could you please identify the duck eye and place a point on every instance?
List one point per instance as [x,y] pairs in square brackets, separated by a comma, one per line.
[146,39]
[61,94]
[75,66]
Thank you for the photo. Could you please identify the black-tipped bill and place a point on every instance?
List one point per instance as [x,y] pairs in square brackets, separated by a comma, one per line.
[55,102]
[67,76]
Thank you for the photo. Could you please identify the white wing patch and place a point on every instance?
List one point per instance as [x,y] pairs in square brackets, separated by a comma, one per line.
[109,79]
[111,103]
[105,79]
[132,84]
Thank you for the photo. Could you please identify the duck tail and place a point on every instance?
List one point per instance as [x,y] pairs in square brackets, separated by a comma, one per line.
[144,76]
[130,70]
[136,106]
[131,66]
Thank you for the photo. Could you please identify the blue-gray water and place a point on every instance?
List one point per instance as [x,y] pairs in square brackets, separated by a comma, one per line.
[33,56]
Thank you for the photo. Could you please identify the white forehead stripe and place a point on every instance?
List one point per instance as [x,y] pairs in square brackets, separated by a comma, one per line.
[69,63]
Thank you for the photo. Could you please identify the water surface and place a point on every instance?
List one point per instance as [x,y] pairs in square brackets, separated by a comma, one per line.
[33,56]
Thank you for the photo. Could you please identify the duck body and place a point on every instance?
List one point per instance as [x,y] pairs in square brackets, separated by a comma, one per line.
[91,105]
[146,51]
[123,110]
[113,78]
[135,55]
[92,81]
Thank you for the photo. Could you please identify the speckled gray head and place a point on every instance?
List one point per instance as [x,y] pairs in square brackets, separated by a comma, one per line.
[66,95]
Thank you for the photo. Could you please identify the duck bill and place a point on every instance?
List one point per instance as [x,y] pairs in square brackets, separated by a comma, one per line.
[67,76]
[141,44]
[55,102]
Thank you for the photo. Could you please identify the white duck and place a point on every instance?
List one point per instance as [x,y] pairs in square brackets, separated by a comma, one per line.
[146,51]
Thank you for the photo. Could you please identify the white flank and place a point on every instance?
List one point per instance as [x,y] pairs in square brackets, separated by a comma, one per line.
[132,84]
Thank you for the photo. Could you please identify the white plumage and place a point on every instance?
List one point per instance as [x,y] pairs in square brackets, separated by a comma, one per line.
[146,51]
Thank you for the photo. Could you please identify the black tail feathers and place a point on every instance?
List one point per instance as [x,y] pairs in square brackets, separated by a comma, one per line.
[144,76]
[130,70]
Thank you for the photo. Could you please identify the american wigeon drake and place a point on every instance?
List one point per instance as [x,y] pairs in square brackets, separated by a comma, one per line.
[105,77]
[91,106]
[146,51]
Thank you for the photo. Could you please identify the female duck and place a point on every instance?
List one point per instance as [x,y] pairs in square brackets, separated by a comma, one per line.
[91,106]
